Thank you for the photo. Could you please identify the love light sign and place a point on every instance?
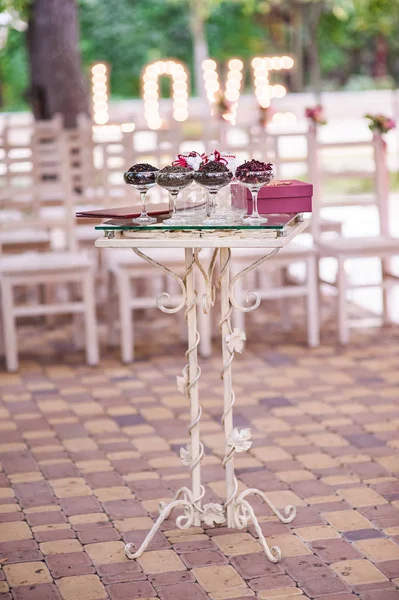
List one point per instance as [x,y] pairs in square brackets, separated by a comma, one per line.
[265,91]
[262,66]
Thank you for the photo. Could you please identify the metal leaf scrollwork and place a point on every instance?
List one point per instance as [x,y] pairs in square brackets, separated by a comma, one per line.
[208,299]
[185,456]
[240,440]
[164,299]
[213,514]
[235,340]
[252,299]
[183,381]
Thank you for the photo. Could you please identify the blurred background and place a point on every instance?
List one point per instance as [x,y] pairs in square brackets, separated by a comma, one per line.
[89,87]
[344,45]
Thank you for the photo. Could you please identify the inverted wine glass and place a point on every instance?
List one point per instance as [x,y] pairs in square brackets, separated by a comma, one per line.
[142,181]
[174,181]
[254,181]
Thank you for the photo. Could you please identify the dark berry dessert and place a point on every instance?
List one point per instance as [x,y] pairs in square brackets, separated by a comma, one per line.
[255,172]
[213,173]
[141,174]
[175,176]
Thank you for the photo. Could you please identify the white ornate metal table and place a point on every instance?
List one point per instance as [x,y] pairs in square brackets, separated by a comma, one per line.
[237,511]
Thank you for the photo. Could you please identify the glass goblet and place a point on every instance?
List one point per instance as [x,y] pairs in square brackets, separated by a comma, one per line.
[213,181]
[142,181]
[174,181]
[254,181]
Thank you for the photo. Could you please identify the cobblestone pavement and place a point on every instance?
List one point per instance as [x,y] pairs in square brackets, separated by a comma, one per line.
[87,454]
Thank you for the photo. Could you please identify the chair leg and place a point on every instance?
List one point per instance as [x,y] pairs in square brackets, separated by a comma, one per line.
[319,289]
[1,333]
[125,318]
[92,352]
[49,298]
[9,326]
[313,316]
[386,292]
[343,324]
[111,309]
[285,304]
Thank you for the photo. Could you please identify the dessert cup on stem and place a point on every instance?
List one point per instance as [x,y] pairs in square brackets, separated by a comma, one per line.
[142,181]
[254,181]
[174,182]
[214,181]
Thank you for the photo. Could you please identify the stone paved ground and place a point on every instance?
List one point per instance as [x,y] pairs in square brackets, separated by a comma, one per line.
[87,454]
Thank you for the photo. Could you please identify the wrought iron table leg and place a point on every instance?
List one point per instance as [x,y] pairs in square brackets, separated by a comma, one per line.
[239,511]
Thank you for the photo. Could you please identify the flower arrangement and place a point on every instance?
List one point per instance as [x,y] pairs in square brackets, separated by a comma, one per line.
[222,107]
[264,115]
[380,123]
[316,115]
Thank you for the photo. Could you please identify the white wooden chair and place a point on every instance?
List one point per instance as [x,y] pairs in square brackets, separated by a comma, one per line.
[273,145]
[49,268]
[18,186]
[382,247]
[319,174]
[135,285]
[273,282]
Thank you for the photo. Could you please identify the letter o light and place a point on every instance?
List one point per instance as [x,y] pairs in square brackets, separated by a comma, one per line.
[150,89]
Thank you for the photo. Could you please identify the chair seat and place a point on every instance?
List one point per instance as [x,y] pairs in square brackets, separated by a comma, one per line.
[120,257]
[24,236]
[370,246]
[7,215]
[86,233]
[330,225]
[300,248]
[33,262]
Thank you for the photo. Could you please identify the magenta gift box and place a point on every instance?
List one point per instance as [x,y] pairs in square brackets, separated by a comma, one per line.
[284,196]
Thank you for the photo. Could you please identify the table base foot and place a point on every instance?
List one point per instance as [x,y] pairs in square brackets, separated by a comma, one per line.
[244,514]
[182,522]
[194,515]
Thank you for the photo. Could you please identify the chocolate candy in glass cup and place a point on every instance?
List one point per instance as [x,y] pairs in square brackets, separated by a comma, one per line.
[142,176]
[213,176]
[254,174]
[175,178]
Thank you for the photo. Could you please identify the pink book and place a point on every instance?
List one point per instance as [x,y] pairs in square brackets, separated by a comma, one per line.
[284,196]
[125,212]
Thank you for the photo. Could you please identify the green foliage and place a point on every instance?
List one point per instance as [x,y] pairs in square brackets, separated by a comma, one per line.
[360,83]
[130,33]
[376,16]
[20,6]
[14,73]
[245,41]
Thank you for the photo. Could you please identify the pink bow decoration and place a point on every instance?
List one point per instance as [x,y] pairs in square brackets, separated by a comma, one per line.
[219,158]
[181,161]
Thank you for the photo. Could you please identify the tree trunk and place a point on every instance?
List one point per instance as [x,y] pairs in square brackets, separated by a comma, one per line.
[57,81]
[381,57]
[315,10]
[200,46]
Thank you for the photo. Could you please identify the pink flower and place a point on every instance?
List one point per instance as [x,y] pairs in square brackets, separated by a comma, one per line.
[380,123]
[316,114]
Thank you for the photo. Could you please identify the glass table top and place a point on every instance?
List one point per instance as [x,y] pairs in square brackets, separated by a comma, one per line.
[275,222]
